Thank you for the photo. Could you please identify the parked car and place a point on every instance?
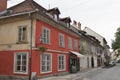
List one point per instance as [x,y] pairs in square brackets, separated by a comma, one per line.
[112,63]
[118,61]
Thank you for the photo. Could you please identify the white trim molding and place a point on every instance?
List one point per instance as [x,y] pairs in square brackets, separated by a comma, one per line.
[52,50]
[58,51]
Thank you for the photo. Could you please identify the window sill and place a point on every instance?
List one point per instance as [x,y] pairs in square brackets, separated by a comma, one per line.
[20,72]
[22,42]
[61,46]
[46,72]
[61,70]
[46,43]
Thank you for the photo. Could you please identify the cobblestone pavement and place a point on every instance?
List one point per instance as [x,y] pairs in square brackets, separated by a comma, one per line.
[74,76]
[112,73]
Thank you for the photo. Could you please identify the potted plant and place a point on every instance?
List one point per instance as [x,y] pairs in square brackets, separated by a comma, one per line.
[42,49]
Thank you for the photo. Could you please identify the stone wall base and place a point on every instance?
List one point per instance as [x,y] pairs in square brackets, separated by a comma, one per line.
[6,77]
[55,74]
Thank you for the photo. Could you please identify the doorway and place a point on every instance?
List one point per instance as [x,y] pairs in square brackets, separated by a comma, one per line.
[92,62]
[87,62]
[74,63]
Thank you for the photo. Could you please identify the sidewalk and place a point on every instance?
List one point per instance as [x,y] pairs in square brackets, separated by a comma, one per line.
[74,76]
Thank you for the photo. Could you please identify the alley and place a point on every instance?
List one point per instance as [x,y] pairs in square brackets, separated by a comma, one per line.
[104,74]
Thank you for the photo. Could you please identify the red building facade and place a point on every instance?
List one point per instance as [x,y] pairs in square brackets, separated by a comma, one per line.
[52,42]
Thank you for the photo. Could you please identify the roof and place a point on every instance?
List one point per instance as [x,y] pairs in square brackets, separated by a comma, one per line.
[25,6]
[55,10]
[98,36]
[28,6]
[92,31]
[66,19]
[90,37]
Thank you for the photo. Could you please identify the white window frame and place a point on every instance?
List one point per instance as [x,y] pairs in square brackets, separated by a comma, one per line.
[43,72]
[15,59]
[55,17]
[69,43]
[20,37]
[46,36]
[68,24]
[64,62]
[61,40]
[75,45]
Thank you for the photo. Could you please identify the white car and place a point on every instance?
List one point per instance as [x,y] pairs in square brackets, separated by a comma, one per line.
[112,63]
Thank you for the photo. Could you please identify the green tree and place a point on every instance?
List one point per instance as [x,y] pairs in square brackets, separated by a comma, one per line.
[116,42]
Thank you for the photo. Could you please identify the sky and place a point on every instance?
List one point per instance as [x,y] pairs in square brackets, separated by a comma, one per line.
[102,16]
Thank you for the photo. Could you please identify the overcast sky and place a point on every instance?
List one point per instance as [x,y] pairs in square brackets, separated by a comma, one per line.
[102,16]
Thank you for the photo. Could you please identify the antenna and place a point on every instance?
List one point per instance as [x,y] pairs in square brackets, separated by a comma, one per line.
[49,6]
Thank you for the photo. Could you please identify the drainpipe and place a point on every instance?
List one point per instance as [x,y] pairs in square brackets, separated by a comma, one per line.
[30,55]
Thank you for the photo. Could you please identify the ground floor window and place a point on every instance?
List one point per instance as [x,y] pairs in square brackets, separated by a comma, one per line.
[21,62]
[46,62]
[61,62]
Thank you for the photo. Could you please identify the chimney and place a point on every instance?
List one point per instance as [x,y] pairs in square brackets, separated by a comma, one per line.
[3,5]
[79,25]
[74,23]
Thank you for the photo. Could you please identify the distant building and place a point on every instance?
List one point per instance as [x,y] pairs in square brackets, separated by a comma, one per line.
[102,40]
[90,49]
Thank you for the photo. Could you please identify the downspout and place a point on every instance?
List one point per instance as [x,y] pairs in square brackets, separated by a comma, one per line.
[30,55]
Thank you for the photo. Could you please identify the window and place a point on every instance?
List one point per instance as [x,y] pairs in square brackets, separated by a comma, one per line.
[68,24]
[93,49]
[75,45]
[61,62]
[21,62]
[69,43]
[46,63]
[61,40]
[45,35]
[22,31]
[55,17]
[100,51]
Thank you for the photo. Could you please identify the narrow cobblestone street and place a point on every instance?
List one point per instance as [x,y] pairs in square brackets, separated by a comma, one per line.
[76,76]
[112,73]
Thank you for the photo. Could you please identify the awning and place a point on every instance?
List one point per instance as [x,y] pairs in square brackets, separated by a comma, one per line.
[76,53]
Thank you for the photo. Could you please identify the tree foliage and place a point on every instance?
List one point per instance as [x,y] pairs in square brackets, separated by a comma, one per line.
[116,42]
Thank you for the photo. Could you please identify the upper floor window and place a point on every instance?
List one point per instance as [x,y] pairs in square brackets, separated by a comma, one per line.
[75,45]
[93,49]
[45,35]
[55,17]
[68,24]
[61,40]
[100,51]
[21,62]
[22,33]
[69,43]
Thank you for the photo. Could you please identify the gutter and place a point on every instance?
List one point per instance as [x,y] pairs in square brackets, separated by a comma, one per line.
[30,55]
[17,14]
